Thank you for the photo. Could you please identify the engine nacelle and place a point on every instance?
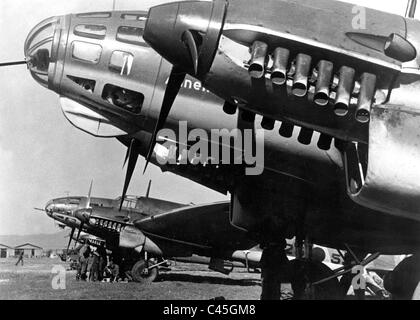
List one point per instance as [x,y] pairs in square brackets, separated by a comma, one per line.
[385,174]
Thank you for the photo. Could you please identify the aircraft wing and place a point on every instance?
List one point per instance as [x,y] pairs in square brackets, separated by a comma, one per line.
[207,226]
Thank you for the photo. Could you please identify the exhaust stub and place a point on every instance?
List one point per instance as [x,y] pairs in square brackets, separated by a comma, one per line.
[279,69]
[322,89]
[258,59]
[344,91]
[300,82]
[366,96]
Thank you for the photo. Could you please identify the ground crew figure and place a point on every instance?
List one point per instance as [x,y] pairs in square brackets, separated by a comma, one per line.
[84,253]
[102,262]
[20,259]
[93,266]
[273,262]
[114,269]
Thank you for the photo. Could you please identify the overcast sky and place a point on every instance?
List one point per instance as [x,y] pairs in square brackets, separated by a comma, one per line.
[42,156]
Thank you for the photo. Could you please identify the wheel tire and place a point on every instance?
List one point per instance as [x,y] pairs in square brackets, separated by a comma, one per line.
[140,274]
[404,279]
[305,272]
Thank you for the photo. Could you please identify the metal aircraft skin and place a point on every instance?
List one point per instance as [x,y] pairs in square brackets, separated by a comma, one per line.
[358,192]
[309,63]
[292,169]
[159,228]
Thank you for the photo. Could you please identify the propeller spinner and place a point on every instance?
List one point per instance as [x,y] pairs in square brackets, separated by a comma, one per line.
[186,34]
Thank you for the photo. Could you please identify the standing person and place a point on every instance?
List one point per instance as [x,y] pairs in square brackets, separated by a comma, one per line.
[273,263]
[93,266]
[20,259]
[102,262]
[114,269]
[84,253]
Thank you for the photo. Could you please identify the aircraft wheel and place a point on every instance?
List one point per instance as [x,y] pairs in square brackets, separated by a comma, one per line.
[404,281]
[304,272]
[141,274]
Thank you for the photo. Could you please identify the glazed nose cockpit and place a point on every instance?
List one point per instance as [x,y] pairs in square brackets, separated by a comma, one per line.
[64,207]
[99,64]
[40,48]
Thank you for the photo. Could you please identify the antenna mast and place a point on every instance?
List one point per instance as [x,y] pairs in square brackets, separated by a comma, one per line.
[411,9]
[148,189]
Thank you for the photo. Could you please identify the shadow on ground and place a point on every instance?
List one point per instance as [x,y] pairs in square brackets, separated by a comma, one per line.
[207,279]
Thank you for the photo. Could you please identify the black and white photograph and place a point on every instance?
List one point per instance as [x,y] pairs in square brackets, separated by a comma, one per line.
[218,151]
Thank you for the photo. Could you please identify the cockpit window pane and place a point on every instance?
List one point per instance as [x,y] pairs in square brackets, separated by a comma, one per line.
[90,31]
[121,62]
[128,100]
[40,57]
[94,15]
[44,33]
[132,35]
[129,204]
[85,51]
[132,16]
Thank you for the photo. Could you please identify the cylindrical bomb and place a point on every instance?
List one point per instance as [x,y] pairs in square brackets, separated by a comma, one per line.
[279,69]
[366,96]
[267,123]
[229,108]
[258,59]
[305,136]
[324,142]
[286,129]
[344,91]
[248,116]
[323,82]
[300,82]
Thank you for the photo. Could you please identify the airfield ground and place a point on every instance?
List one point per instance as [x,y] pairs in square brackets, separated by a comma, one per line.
[33,280]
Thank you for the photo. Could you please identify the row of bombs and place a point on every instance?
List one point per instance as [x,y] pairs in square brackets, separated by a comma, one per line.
[340,88]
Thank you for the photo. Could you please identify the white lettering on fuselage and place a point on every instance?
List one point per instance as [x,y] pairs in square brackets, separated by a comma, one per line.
[192,85]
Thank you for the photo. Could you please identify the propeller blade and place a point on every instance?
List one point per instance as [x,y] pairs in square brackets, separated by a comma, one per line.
[148,189]
[175,81]
[89,193]
[12,63]
[126,156]
[133,154]
[85,202]
[191,44]
[78,233]
[70,240]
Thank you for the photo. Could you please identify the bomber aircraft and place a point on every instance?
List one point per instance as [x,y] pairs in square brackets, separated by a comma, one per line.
[147,231]
[271,66]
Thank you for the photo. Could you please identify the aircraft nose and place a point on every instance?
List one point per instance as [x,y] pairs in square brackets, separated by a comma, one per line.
[49,208]
[166,28]
[39,48]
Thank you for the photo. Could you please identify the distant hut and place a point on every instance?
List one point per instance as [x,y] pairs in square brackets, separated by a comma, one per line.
[6,251]
[29,250]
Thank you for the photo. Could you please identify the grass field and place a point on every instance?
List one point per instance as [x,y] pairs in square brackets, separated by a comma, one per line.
[183,282]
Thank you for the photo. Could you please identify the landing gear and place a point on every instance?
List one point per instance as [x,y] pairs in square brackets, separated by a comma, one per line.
[304,275]
[144,271]
[404,280]
[274,265]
